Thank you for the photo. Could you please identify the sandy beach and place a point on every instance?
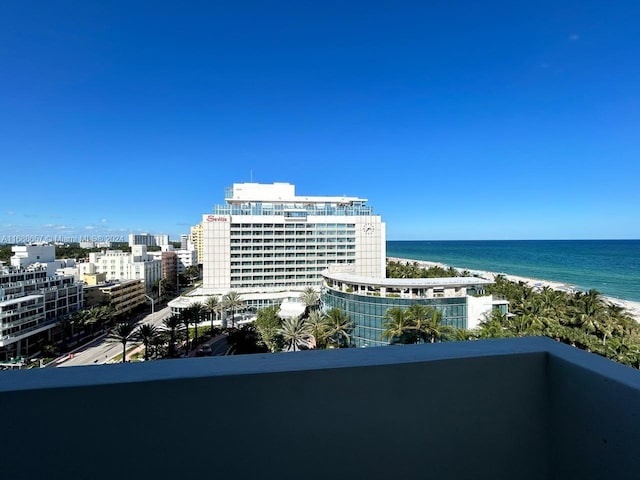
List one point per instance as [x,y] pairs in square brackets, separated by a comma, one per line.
[632,308]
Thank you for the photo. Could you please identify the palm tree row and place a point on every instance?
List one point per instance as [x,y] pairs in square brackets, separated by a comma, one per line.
[582,319]
[176,328]
[415,324]
[312,330]
[415,270]
[96,318]
[125,333]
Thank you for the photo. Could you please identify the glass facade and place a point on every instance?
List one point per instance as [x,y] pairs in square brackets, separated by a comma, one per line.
[367,312]
[285,209]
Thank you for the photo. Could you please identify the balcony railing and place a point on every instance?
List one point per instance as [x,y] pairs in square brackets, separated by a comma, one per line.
[498,409]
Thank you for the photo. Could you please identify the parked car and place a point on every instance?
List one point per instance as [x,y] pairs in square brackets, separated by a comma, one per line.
[204,351]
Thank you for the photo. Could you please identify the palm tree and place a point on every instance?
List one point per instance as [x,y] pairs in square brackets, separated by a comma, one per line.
[339,327]
[311,298]
[171,325]
[232,301]
[78,320]
[195,312]
[122,333]
[212,305]
[494,325]
[146,333]
[461,335]
[104,315]
[185,318]
[66,328]
[319,328]
[419,315]
[398,326]
[296,334]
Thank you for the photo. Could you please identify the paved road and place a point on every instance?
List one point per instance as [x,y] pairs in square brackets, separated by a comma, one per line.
[101,350]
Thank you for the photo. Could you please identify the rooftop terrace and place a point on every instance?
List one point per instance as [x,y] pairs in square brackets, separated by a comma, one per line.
[496,409]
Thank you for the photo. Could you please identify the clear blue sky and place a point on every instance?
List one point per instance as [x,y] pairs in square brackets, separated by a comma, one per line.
[456,119]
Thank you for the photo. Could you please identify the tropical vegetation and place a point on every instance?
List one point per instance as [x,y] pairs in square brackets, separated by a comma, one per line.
[584,320]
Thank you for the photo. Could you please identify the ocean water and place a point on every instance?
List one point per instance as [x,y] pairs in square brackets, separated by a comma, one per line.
[610,266]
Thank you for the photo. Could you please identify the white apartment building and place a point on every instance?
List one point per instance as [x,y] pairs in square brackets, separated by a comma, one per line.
[31,304]
[42,254]
[266,239]
[184,258]
[148,240]
[119,265]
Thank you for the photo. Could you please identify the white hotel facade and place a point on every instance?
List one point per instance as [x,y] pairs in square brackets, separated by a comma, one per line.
[269,244]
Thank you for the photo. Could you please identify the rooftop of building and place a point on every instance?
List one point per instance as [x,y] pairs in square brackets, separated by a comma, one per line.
[112,283]
[405,282]
[527,408]
[12,269]
[279,193]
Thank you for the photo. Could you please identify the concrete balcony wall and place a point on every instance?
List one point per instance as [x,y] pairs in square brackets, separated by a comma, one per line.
[501,409]
[595,417]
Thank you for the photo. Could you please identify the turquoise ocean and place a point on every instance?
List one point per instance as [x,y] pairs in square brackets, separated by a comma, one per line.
[610,266]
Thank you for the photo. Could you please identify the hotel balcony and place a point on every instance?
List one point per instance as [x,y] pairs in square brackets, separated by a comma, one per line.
[496,409]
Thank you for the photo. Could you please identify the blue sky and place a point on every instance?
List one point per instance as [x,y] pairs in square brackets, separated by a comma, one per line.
[457,120]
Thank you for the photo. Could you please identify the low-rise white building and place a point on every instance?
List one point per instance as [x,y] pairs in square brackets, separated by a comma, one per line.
[148,240]
[119,265]
[42,254]
[184,258]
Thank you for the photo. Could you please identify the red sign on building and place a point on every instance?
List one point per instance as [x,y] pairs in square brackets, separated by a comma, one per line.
[216,218]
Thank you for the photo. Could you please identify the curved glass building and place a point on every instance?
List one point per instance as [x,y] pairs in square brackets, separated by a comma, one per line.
[461,300]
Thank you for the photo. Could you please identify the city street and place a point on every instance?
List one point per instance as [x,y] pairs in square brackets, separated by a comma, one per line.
[101,350]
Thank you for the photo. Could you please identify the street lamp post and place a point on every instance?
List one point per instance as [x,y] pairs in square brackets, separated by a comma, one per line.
[153,302]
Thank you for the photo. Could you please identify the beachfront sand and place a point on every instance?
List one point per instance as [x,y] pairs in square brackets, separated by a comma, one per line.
[632,308]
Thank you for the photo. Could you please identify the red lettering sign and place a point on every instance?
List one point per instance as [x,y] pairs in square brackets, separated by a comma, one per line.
[214,218]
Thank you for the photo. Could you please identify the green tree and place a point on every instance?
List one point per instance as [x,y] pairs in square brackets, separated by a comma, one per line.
[494,326]
[146,334]
[192,272]
[319,328]
[122,333]
[171,325]
[340,328]
[311,298]
[195,312]
[212,305]
[245,340]
[185,318]
[66,328]
[398,326]
[232,301]
[295,334]
[268,324]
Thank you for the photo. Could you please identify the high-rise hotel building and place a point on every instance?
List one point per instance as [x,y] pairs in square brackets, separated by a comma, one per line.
[265,238]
